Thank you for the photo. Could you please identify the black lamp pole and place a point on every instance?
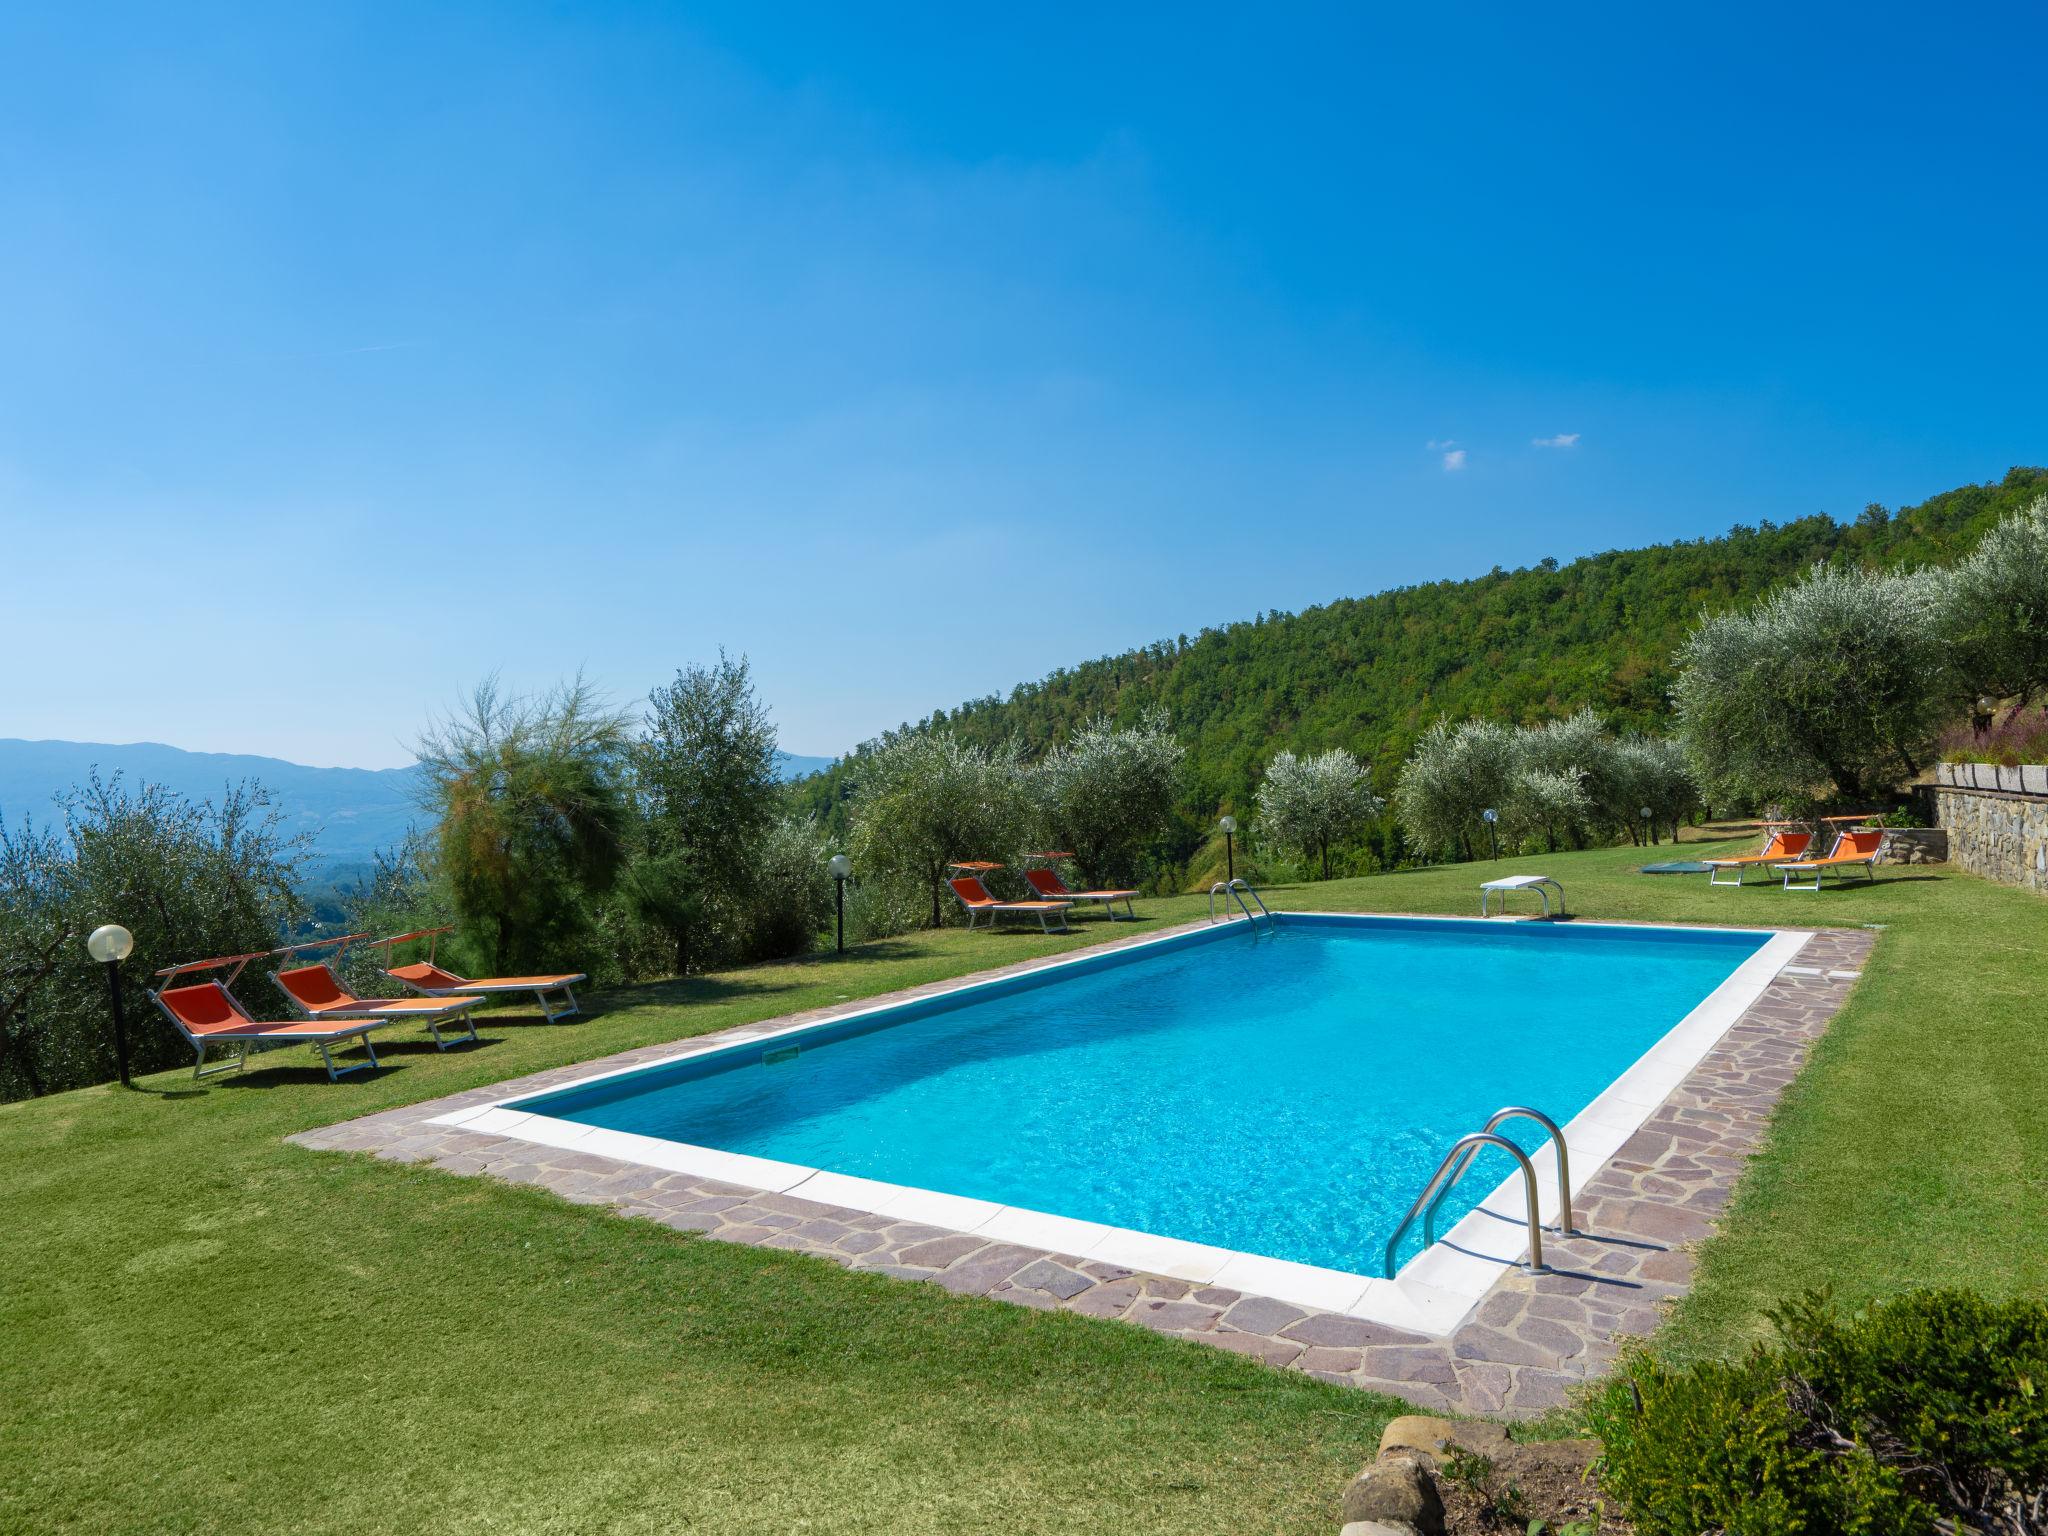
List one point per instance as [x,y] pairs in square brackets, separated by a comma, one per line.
[1229,825]
[120,1020]
[110,944]
[840,866]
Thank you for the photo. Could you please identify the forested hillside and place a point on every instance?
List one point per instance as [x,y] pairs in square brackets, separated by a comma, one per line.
[1371,673]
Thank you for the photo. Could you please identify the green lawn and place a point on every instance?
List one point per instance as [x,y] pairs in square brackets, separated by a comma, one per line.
[204,1329]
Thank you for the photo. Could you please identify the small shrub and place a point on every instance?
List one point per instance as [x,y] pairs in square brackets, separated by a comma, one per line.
[2020,737]
[1923,1413]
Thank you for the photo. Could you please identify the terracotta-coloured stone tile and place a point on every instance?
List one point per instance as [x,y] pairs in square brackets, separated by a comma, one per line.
[941,1251]
[1257,1314]
[1173,1316]
[1257,1345]
[1339,1362]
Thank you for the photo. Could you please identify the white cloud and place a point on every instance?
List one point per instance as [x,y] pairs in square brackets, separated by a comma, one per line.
[1438,443]
[1562,440]
[1454,460]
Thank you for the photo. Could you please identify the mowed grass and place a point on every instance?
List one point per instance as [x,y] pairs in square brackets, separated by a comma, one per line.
[205,1329]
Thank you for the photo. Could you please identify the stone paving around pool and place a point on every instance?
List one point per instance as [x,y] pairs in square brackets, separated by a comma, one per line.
[1517,1352]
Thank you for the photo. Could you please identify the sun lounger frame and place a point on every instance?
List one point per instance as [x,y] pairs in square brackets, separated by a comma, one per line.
[258,1036]
[1766,860]
[1060,892]
[385,1011]
[542,989]
[1836,861]
[1038,909]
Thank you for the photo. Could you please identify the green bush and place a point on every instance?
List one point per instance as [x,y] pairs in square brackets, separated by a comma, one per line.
[1922,1413]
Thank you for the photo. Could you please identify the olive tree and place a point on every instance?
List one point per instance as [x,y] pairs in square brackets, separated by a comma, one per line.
[1565,781]
[924,799]
[188,879]
[1455,772]
[1651,772]
[531,803]
[1550,804]
[1993,611]
[1107,793]
[1313,804]
[1833,686]
[787,899]
[706,775]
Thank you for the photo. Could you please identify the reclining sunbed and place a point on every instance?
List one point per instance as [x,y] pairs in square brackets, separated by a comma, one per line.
[1782,844]
[1854,849]
[317,993]
[431,980]
[209,1016]
[1047,882]
[975,897]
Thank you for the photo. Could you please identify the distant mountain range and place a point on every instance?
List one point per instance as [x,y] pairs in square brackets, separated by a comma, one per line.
[350,813]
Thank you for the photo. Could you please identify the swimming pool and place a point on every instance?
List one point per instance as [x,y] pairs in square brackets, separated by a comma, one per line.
[1280,1094]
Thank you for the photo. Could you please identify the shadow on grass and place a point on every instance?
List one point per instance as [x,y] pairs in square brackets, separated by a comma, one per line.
[267,1077]
[536,1020]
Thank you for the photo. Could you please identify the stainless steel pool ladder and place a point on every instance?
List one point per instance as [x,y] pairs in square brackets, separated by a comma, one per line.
[1237,890]
[1459,1158]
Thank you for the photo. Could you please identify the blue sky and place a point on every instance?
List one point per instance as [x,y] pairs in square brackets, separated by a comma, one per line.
[353,352]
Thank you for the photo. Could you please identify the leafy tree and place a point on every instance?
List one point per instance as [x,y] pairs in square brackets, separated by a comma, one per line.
[1652,771]
[1993,611]
[1566,782]
[401,894]
[1832,686]
[1551,804]
[1312,804]
[1107,793]
[707,772]
[531,798]
[188,879]
[1457,772]
[924,799]
[35,933]
[788,898]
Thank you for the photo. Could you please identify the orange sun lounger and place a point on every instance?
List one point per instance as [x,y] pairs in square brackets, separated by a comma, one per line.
[209,1016]
[1782,844]
[975,898]
[431,980]
[1853,849]
[318,995]
[1047,883]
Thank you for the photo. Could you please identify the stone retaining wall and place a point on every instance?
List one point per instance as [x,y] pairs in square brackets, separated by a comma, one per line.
[2000,835]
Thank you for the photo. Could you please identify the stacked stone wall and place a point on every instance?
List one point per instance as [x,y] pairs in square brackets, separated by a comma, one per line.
[2001,835]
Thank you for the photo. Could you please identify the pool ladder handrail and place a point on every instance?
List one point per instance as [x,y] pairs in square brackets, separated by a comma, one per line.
[1236,890]
[1459,1159]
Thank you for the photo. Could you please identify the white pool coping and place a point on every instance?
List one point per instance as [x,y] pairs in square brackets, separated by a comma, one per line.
[1431,1295]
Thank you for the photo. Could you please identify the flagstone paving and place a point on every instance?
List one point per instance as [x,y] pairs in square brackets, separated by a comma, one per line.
[1518,1352]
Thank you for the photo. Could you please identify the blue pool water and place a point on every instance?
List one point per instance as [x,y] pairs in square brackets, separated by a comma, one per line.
[1285,1095]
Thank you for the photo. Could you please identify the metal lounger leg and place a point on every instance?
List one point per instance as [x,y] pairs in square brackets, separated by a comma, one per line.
[466,1017]
[234,1063]
[333,1072]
